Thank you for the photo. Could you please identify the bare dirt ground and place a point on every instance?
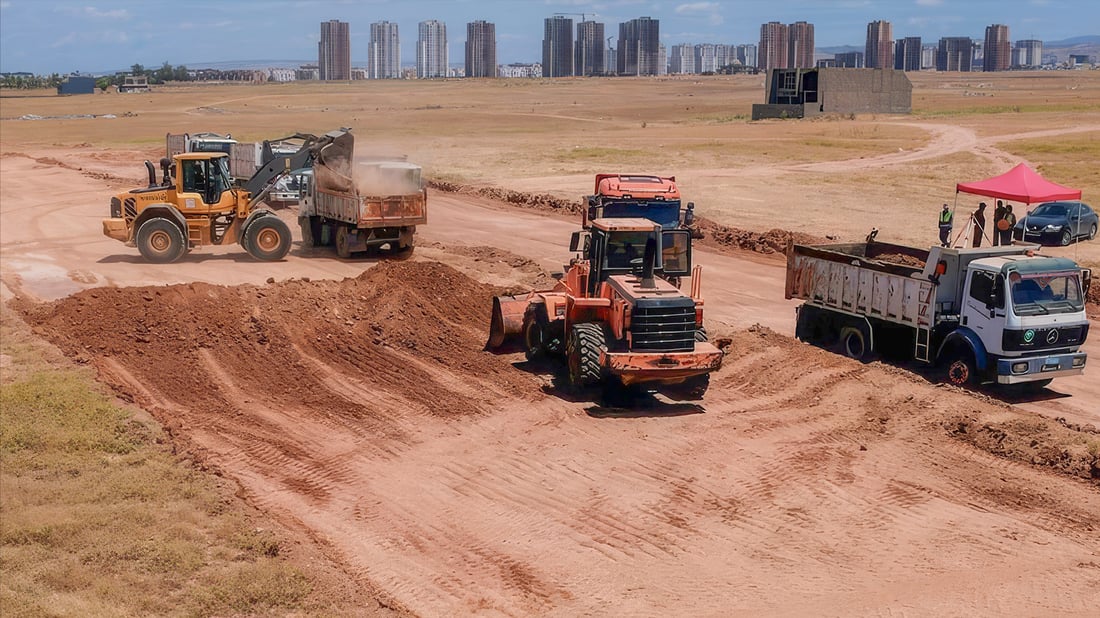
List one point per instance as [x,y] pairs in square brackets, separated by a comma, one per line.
[351,399]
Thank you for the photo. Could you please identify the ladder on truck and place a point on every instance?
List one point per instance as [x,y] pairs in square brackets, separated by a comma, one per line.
[926,300]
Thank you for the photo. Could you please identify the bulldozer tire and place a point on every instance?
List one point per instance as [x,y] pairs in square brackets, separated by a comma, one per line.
[267,239]
[534,331]
[701,334]
[160,241]
[343,245]
[583,350]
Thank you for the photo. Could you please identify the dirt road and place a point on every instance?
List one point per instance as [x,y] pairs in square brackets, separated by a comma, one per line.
[359,406]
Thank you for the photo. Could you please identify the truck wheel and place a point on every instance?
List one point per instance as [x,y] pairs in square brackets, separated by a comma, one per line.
[311,231]
[693,388]
[343,245]
[583,350]
[1067,237]
[701,334]
[267,239]
[160,241]
[961,370]
[852,343]
[407,239]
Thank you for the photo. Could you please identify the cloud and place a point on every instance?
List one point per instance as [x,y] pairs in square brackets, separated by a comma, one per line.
[712,11]
[5,4]
[110,37]
[929,2]
[95,13]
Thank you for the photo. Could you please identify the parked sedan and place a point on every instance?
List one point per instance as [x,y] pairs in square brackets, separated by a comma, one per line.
[1057,223]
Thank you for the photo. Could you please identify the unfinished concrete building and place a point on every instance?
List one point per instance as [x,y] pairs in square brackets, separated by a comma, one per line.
[798,93]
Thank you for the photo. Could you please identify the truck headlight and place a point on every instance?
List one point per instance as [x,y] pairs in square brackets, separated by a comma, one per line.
[1079,361]
[1019,367]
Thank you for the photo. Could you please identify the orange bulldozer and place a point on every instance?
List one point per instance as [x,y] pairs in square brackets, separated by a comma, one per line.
[611,315]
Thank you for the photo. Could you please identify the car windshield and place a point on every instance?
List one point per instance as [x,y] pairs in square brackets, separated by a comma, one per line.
[1050,210]
[1044,293]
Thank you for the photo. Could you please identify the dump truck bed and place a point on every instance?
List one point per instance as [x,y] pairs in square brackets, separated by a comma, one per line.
[370,211]
[844,278]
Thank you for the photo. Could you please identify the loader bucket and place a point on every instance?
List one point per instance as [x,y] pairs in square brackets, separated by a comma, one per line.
[507,320]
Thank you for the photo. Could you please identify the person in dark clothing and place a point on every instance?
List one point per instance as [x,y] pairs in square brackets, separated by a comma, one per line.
[978,219]
[945,226]
[998,214]
[1005,225]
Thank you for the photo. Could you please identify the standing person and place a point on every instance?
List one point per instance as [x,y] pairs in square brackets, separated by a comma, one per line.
[945,226]
[978,219]
[998,214]
[1005,225]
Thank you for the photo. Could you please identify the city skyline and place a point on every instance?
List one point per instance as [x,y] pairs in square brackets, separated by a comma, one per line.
[62,36]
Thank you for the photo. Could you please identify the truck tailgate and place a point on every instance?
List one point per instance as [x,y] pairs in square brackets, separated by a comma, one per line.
[373,211]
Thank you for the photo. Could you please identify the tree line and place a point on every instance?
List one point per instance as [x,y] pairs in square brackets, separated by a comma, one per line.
[166,73]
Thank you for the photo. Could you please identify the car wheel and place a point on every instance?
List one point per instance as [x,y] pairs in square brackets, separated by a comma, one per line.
[1092,232]
[1067,237]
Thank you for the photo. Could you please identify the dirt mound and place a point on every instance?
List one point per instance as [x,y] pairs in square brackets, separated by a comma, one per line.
[1068,448]
[404,329]
[535,201]
[773,241]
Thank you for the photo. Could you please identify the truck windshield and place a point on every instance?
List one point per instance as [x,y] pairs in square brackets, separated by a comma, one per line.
[1043,293]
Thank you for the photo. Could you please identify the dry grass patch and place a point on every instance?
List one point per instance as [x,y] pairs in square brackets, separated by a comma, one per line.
[98,518]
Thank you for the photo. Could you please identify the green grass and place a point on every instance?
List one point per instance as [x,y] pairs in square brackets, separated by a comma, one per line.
[979,110]
[98,518]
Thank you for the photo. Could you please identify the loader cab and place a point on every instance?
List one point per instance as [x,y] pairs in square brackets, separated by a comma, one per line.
[203,181]
[618,247]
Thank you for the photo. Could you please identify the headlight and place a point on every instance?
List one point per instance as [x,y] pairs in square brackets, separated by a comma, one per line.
[1052,228]
[1079,361]
[1019,367]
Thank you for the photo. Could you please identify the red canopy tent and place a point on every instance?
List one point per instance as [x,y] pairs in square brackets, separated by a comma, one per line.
[1020,184]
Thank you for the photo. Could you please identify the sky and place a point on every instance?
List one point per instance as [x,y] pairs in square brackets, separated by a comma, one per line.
[95,36]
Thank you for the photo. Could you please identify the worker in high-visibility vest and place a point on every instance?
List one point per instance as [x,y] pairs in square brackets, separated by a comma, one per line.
[945,226]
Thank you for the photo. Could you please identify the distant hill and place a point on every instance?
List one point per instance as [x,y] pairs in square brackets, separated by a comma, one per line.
[1091,39]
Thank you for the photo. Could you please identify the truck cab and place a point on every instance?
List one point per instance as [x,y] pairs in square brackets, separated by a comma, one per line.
[617,246]
[1028,316]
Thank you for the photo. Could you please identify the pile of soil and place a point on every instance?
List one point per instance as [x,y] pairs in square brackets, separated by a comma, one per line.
[408,328]
[773,241]
[534,201]
[900,258]
[1068,448]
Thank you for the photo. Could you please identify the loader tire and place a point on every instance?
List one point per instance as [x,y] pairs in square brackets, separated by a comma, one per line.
[534,331]
[701,334]
[311,231]
[586,340]
[267,239]
[160,241]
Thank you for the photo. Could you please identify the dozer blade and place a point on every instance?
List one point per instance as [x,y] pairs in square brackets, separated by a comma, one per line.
[507,320]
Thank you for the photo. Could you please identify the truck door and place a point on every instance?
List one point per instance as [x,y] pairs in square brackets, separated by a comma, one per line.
[984,308]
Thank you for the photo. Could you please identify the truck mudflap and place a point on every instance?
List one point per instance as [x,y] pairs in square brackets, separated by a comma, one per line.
[1033,368]
[662,367]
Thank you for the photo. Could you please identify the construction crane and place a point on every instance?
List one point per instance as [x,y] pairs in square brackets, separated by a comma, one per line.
[583,15]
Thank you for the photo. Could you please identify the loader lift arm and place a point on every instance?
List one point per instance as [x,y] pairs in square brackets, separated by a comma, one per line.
[339,143]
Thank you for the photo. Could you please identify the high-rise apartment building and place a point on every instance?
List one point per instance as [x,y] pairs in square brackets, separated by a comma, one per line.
[879,51]
[384,52]
[481,49]
[956,53]
[724,55]
[773,46]
[998,50]
[907,54]
[557,47]
[927,57]
[706,58]
[681,60]
[747,55]
[588,56]
[800,45]
[639,47]
[1030,53]
[431,50]
[334,51]
[849,60]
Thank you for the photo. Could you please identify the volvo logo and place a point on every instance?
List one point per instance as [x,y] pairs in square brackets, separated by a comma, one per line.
[1052,336]
[1029,336]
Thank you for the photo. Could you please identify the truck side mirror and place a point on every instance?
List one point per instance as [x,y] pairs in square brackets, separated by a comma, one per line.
[997,295]
[578,241]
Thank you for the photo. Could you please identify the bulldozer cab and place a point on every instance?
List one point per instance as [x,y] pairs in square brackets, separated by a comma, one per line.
[618,247]
[204,181]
